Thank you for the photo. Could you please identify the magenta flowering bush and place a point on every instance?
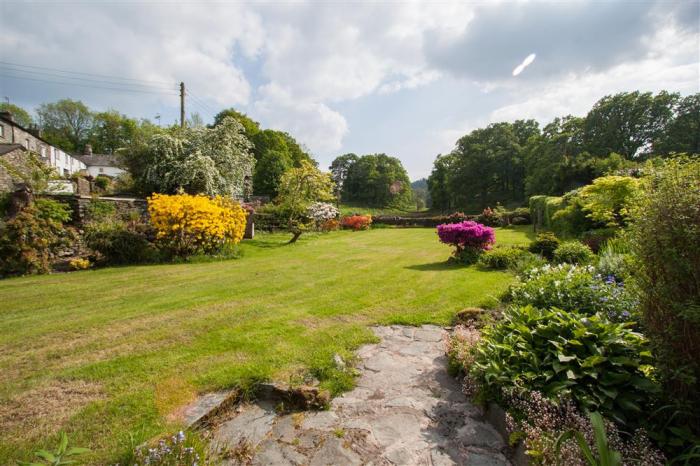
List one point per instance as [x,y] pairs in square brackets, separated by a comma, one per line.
[468,238]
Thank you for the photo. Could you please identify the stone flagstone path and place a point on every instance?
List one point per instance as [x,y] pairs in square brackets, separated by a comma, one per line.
[405,410]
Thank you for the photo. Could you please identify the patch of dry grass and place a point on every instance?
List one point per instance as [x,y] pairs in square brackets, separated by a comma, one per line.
[42,411]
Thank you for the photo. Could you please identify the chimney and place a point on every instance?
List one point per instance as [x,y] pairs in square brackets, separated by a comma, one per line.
[8,116]
[88,149]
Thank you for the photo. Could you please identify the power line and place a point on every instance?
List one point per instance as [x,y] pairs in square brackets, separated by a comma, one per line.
[86,74]
[116,83]
[199,109]
[142,91]
[202,102]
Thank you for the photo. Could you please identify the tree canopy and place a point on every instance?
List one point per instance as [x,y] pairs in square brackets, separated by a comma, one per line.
[197,160]
[376,180]
[20,115]
[251,126]
[275,153]
[66,124]
[506,162]
[299,188]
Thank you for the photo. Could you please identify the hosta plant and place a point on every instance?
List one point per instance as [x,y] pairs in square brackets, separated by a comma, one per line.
[601,365]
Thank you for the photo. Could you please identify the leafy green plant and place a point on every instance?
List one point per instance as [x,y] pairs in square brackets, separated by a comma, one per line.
[692,456]
[574,288]
[59,457]
[50,209]
[502,257]
[29,242]
[601,365]
[615,259]
[573,252]
[598,237]
[97,211]
[665,237]
[118,245]
[545,244]
[571,218]
[102,182]
[608,198]
[605,455]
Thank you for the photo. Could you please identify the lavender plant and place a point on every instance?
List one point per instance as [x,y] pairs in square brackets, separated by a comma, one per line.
[172,451]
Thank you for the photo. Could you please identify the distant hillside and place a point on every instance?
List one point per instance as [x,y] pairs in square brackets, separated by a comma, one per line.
[421,194]
[420,184]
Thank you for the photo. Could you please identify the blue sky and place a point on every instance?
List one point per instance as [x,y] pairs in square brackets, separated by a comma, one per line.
[404,78]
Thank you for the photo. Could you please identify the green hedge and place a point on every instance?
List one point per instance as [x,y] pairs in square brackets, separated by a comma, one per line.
[542,209]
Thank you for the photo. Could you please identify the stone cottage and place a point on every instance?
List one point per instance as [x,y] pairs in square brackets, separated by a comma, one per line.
[100,164]
[15,139]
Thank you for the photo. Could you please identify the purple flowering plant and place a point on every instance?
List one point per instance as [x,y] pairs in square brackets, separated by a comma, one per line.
[468,238]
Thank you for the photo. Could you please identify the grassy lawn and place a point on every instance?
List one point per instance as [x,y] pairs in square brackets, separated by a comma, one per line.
[350,209]
[109,355]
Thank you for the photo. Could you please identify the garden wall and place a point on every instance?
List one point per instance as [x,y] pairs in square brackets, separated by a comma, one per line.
[429,222]
[79,205]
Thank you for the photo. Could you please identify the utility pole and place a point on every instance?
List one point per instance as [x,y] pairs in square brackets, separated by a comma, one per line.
[182,104]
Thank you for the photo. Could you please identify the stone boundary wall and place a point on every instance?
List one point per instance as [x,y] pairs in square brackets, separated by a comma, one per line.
[124,206]
[79,205]
[425,222]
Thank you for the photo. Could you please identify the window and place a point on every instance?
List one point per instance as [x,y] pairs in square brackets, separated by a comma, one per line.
[102,170]
[2,131]
[26,143]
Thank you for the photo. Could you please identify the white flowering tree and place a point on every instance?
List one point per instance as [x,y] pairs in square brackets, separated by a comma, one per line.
[198,160]
[320,212]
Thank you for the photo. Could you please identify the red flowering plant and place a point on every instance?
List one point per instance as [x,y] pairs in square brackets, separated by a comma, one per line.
[357,222]
[469,239]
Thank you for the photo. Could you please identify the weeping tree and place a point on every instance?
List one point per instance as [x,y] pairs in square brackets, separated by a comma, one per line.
[299,188]
[198,160]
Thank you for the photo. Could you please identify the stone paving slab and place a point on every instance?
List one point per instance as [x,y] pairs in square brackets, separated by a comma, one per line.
[405,410]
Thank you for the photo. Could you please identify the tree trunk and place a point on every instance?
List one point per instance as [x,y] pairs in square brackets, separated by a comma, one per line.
[297,234]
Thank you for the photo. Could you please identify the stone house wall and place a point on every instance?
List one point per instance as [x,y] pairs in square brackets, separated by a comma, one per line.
[17,158]
[64,163]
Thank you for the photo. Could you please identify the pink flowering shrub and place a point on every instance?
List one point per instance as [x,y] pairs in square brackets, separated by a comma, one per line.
[469,239]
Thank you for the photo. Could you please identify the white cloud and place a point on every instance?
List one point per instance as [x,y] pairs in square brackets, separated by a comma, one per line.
[296,66]
[312,123]
[671,63]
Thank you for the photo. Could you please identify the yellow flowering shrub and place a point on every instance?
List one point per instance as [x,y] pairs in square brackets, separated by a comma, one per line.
[79,264]
[187,224]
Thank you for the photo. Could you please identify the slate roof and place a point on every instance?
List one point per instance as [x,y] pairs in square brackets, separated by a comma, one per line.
[7,148]
[99,160]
